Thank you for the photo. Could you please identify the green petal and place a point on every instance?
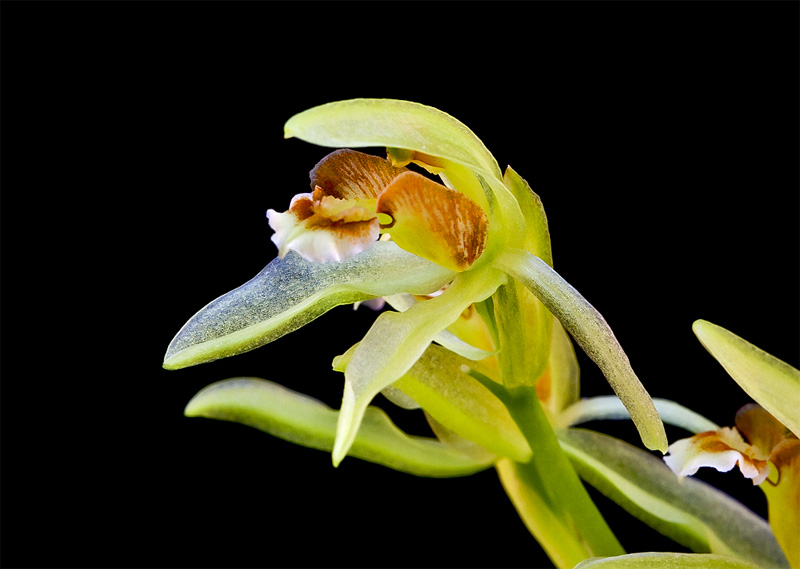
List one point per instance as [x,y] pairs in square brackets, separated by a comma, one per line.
[524,325]
[607,407]
[688,511]
[667,561]
[537,236]
[291,292]
[300,419]
[593,334]
[396,340]
[440,382]
[394,124]
[565,374]
[774,384]
[402,302]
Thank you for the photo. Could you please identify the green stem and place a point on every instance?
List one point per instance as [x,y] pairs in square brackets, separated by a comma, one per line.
[550,474]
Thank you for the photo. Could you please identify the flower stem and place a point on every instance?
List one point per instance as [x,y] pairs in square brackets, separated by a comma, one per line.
[553,482]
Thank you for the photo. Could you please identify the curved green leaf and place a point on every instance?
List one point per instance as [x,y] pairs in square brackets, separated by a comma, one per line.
[774,384]
[303,420]
[667,561]
[593,334]
[688,511]
[396,340]
[289,293]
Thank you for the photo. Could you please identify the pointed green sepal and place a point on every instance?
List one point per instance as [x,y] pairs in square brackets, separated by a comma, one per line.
[396,340]
[593,334]
[303,420]
[657,560]
[289,293]
[609,407]
[774,384]
[393,124]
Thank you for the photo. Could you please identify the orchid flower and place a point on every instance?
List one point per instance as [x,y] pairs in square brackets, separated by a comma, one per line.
[479,336]
[766,450]
[481,233]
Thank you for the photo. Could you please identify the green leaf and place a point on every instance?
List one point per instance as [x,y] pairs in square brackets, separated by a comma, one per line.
[393,124]
[593,334]
[396,340]
[774,384]
[291,292]
[667,561]
[688,511]
[303,420]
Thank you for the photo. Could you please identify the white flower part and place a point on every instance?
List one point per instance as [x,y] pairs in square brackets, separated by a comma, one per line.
[722,449]
[323,229]
[375,304]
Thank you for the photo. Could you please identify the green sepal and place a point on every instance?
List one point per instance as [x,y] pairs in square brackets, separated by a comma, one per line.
[774,384]
[657,560]
[692,513]
[609,407]
[442,385]
[291,292]
[441,382]
[591,331]
[303,420]
[396,340]
[393,124]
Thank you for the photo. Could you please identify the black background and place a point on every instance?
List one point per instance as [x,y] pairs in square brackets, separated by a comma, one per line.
[142,144]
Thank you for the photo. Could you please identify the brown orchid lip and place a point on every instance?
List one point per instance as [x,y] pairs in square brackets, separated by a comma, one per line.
[356,196]
[456,225]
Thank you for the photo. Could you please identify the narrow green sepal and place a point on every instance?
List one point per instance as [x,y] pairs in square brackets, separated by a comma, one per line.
[591,331]
[291,292]
[303,420]
[774,384]
[657,560]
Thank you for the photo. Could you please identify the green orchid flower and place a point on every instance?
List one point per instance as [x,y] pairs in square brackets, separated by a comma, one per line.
[476,234]
[478,336]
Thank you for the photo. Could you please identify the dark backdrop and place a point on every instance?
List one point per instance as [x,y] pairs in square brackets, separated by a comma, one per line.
[142,144]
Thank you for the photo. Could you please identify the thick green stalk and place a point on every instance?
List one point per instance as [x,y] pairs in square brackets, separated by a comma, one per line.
[550,471]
